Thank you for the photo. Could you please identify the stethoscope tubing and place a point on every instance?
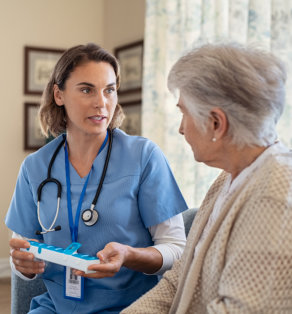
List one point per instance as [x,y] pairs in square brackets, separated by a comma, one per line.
[49,179]
[104,170]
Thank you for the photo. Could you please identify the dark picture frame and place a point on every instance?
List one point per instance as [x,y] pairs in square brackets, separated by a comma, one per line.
[132,123]
[130,58]
[33,139]
[38,65]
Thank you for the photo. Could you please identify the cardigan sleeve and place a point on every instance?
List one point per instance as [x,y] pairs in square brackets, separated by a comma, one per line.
[257,277]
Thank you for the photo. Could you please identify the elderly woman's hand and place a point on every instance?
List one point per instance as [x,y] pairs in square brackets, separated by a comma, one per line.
[24,261]
[115,255]
[112,258]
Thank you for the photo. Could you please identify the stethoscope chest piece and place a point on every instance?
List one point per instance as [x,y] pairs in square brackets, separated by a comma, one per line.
[89,217]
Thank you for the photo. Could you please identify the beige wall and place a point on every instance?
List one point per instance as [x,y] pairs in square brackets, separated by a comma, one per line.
[58,24]
[123,22]
[51,23]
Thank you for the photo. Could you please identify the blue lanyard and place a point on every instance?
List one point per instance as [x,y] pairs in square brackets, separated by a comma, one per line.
[74,226]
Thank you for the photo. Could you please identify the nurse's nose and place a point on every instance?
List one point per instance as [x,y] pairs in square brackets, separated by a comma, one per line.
[99,100]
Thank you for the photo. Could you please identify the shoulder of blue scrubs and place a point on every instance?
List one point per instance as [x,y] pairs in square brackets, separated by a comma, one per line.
[159,196]
[42,156]
[21,216]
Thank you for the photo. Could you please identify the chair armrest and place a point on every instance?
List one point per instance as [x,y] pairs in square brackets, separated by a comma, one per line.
[23,291]
[188,217]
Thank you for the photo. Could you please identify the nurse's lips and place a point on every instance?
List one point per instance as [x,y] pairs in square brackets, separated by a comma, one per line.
[97,118]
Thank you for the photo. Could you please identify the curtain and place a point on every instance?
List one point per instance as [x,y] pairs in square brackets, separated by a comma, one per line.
[174,26]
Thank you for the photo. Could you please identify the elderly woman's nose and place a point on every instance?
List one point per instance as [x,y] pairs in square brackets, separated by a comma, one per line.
[180,130]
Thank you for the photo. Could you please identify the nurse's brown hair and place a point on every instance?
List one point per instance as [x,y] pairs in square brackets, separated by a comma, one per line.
[53,117]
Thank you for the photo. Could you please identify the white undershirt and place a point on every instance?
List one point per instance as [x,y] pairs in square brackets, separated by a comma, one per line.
[168,237]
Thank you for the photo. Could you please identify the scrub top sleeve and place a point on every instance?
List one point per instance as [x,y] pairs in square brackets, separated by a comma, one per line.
[22,213]
[159,197]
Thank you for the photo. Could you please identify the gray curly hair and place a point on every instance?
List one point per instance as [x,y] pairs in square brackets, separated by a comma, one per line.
[246,83]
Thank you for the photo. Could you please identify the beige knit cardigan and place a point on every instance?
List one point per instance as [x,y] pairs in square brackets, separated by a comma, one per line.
[245,263]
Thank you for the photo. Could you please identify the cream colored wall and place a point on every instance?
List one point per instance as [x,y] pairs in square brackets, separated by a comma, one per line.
[123,22]
[53,23]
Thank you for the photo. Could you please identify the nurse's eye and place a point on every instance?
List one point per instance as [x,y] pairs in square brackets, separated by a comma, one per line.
[110,90]
[86,90]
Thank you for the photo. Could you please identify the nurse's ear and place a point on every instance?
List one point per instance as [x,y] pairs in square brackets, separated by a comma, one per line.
[58,95]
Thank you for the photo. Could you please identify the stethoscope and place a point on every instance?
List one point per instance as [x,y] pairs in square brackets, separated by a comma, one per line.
[89,216]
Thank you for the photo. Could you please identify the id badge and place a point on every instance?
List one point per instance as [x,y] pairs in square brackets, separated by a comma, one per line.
[74,285]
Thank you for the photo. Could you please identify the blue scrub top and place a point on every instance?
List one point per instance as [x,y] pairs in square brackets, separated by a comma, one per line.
[139,191]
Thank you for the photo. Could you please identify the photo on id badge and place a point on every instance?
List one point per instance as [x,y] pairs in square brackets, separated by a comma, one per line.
[74,285]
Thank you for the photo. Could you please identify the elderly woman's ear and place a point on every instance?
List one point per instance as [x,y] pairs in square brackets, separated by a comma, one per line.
[219,123]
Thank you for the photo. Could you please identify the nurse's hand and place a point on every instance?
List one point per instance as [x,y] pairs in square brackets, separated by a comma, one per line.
[24,261]
[115,255]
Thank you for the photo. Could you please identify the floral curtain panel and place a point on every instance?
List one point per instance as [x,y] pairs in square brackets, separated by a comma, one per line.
[174,26]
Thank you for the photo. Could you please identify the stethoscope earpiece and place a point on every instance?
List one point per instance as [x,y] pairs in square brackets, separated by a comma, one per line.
[57,228]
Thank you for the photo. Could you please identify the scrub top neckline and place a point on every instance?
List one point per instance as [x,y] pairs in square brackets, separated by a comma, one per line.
[98,163]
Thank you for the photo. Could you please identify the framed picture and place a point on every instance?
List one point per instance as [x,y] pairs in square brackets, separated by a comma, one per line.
[38,66]
[131,63]
[132,123]
[33,138]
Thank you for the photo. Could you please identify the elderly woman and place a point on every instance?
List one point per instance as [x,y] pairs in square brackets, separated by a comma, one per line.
[238,257]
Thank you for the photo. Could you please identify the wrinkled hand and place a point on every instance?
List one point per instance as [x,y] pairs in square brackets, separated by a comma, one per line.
[24,261]
[112,258]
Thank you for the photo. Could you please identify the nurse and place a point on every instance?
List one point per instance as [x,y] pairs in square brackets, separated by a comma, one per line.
[133,224]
